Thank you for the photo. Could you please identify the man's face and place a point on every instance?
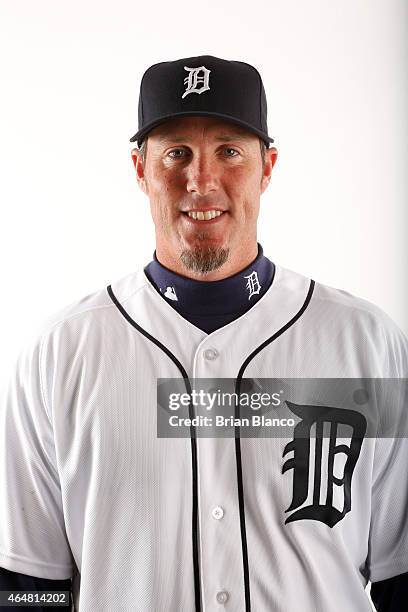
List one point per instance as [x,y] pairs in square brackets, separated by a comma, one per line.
[196,168]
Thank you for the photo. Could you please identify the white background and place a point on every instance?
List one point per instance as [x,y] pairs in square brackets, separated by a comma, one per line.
[72,217]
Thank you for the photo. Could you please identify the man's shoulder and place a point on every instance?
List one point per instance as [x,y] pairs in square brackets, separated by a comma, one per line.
[91,309]
[346,301]
[353,306]
[335,305]
[80,328]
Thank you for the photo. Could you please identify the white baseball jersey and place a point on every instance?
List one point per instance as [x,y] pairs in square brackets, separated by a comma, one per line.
[177,524]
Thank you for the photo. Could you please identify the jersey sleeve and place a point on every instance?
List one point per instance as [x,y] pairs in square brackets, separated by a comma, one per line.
[388,539]
[33,539]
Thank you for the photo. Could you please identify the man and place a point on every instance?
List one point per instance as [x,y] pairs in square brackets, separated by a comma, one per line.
[153,523]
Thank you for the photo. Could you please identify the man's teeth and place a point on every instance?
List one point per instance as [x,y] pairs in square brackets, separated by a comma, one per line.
[204,216]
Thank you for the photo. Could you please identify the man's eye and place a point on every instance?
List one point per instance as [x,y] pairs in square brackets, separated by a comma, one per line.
[231,152]
[176,153]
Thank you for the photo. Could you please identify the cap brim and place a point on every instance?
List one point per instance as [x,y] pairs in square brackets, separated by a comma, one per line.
[140,135]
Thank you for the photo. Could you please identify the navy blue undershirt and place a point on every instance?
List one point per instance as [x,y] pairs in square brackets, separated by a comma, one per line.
[210,305]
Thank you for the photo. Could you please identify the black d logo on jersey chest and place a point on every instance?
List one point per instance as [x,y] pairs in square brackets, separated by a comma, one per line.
[301,446]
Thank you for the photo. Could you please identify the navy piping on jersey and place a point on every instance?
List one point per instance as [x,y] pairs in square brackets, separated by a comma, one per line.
[241,501]
[195,527]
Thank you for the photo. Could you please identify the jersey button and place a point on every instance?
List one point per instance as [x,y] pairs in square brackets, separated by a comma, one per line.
[217,513]
[211,354]
[222,597]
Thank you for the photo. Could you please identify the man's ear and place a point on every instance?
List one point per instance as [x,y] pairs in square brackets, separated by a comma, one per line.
[271,156]
[140,175]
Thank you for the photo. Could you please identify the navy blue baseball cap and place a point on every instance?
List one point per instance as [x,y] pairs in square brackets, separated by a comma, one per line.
[205,86]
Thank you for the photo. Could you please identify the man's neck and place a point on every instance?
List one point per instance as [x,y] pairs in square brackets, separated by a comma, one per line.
[210,305]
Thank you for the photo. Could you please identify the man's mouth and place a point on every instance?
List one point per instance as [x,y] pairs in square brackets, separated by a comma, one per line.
[204,215]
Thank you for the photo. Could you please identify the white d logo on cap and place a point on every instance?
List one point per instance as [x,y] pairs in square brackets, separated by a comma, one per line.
[195,77]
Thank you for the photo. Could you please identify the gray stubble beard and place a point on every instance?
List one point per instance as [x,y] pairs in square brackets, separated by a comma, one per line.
[204,259]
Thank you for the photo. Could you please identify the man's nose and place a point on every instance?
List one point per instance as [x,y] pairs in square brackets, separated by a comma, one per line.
[202,175]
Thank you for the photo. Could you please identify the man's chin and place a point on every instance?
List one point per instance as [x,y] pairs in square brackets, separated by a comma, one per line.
[204,259]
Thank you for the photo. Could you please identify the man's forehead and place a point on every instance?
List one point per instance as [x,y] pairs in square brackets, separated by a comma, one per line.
[186,127]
